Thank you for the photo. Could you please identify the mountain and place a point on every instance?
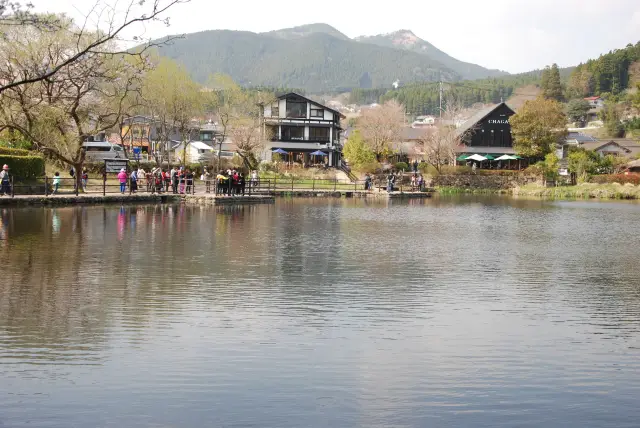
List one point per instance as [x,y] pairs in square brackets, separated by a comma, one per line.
[407,40]
[306,30]
[303,57]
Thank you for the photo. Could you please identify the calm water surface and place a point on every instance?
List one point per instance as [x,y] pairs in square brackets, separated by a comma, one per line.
[471,312]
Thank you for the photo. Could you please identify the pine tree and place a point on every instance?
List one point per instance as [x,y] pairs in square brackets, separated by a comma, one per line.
[553,89]
[544,79]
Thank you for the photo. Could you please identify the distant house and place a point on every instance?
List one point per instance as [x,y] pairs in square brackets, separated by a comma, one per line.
[196,151]
[605,148]
[301,126]
[144,132]
[595,102]
[573,139]
[614,147]
[422,121]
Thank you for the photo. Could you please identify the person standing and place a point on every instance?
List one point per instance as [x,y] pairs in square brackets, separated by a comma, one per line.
[182,177]
[134,181]
[122,177]
[56,183]
[254,178]
[5,181]
[174,180]
[85,179]
[415,166]
[206,176]
[367,182]
[189,179]
[391,179]
[242,182]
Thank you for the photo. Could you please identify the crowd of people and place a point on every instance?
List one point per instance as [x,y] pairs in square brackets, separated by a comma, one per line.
[233,182]
[417,181]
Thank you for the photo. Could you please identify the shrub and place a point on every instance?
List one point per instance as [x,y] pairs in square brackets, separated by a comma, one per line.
[14,152]
[616,178]
[455,170]
[534,170]
[401,166]
[369,167]
[24,166]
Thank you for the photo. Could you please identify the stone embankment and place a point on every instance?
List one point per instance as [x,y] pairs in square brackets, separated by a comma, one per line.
[474,182]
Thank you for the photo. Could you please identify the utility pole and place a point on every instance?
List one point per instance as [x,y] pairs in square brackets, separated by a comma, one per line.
[440,91]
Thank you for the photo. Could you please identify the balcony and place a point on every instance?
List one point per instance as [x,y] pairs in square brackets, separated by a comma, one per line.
[323,140]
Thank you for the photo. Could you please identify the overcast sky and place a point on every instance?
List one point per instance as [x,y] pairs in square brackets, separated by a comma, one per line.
[512,35]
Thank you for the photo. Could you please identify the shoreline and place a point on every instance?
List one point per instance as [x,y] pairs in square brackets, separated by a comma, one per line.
[196,199]
[579,192]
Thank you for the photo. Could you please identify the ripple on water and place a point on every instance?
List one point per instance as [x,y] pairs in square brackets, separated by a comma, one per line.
[449,312]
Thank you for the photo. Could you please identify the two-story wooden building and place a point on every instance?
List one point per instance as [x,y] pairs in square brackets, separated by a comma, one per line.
[300,126]
[487,133]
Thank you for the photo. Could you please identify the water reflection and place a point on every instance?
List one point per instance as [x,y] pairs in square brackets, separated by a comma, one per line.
[466,311]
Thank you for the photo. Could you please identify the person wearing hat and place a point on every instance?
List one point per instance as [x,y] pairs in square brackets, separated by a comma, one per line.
[122,176]
[5,181]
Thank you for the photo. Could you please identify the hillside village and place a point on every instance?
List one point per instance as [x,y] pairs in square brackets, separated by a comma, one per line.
[169,112]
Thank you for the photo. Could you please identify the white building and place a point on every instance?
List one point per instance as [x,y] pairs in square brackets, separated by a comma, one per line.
[300,126]
[197,151]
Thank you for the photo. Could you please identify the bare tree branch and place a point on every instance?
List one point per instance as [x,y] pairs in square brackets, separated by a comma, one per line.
[99,39]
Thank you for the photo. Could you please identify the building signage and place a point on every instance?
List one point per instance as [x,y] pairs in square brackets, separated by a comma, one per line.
[499,121]
[115,165]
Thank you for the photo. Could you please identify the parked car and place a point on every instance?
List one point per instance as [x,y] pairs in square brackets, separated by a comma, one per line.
[99,151]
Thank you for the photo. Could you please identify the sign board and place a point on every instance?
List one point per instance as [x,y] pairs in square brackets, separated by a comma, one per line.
[115,165]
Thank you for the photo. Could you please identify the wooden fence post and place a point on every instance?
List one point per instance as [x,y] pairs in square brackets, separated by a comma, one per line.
[46,186]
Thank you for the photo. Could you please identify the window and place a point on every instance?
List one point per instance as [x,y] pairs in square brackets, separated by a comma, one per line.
[296,109]
[319,134]
[292,133]
[317,112]
[275,110]
[206,136]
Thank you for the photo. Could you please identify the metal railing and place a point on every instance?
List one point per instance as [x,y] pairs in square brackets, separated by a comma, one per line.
[53,186]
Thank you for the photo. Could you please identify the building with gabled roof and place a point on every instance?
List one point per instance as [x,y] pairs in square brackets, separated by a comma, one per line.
[300,126]
[487,132]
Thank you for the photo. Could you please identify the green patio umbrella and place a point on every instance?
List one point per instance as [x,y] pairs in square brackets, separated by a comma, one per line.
[462,157]
[489,157]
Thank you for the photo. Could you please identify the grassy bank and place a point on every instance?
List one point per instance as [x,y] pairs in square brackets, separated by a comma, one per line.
[582,191]
[447,190]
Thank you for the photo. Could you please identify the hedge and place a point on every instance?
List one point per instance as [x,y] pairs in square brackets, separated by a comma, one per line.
[616,178]
[14,152]
[23,166]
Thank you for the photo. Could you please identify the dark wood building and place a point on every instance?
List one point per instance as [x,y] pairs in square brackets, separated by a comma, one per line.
[487,132]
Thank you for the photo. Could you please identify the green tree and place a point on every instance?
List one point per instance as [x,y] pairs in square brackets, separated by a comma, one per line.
[173,99]
[552,87]
[583,163]
[577,110]
[550,166]
[537,127]
[357,152]
[635,101]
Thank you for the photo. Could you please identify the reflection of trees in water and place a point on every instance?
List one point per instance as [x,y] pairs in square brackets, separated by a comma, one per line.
[67,285]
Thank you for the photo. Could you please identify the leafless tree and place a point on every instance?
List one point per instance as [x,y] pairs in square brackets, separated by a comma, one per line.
[100,34]
[439,142]
[85,98]
[381,127]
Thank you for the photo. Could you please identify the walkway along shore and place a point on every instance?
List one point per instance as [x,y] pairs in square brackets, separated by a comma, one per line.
[197,198]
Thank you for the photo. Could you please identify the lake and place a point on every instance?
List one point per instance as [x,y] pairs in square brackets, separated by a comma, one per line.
[460,311]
